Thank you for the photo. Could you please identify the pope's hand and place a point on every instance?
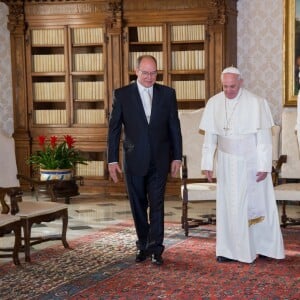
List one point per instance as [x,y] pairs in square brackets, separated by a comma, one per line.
[209,175]
[261,176]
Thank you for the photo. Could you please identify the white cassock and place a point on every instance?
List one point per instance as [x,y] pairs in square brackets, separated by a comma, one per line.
[247,216]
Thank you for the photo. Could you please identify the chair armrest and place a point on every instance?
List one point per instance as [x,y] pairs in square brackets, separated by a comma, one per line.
[276,169]
[184,170]
[15,194]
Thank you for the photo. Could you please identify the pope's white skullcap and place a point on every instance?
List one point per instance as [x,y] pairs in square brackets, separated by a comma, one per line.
[231,70]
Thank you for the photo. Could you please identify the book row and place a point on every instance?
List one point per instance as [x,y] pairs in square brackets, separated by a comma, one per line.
[88,62]
[189,90]
[41,37]
[85,90]
[93,168]
[178,33]
[87,35]
[89,116]
[188,60]
[149,33]
[49,91]
[48,63]
[59,116]
[56,37]
[187,32]
[53,116]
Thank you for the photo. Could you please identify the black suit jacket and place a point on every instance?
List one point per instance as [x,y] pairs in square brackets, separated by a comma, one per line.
[160,140]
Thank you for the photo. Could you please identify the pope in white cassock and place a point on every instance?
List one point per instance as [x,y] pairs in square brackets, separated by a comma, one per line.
[238,124]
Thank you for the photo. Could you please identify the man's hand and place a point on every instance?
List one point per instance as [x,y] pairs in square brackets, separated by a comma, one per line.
[209,175]
[261,176]
[113,170]
[175,167]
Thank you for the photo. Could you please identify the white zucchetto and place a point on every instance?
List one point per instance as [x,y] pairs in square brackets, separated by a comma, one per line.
[231,70]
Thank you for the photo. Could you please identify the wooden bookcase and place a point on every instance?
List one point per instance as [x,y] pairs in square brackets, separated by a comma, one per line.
[66,87]
[69,55]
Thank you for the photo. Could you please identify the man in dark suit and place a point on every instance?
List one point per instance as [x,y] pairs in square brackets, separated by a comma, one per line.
[152,147]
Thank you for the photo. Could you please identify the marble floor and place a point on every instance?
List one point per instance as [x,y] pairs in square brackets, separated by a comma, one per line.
[89,213]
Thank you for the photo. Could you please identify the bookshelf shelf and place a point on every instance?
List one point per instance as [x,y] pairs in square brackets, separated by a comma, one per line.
[187,72]
[191,42]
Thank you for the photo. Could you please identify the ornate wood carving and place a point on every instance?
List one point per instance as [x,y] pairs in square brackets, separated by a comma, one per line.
[65,8]
[115,18]
[165,4]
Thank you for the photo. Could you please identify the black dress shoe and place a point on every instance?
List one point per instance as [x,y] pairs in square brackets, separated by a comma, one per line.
[222,259]
[141,256]
[157,259]
[264,257]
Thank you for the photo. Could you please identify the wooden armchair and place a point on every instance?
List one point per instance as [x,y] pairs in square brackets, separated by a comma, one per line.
[195,186]
[287,171]
[34,212]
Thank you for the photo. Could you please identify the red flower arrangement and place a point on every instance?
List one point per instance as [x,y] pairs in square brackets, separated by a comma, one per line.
[56,155]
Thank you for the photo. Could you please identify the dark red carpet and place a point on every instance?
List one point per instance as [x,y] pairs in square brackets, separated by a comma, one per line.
[101,266]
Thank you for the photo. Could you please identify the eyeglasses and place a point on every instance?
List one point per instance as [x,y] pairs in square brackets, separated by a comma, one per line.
[151,74]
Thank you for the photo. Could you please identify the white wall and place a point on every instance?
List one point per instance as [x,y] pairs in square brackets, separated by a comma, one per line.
[6,103]
[260,50]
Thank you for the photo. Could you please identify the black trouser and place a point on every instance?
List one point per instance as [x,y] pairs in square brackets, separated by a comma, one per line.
[148,192]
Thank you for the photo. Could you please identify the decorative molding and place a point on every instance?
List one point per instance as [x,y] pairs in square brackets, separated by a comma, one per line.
[219,12]
[42,7]
[16,15]
[66,7]
[115,8]
[164,4]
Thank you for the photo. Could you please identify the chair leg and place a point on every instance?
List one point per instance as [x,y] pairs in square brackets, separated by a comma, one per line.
[17,245]
[184,221]
[27,233]
[283,215]
[64,229]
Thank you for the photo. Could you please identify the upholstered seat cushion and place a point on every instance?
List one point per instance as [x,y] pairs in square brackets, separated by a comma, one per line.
[207,191]
[31,209]
[288,191]
[7,219]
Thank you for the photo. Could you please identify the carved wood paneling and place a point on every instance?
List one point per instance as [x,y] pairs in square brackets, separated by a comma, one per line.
[115,16]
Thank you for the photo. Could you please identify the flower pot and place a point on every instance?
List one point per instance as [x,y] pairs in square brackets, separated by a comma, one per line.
[59,174]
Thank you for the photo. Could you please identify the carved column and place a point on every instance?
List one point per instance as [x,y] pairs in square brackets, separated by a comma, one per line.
[114,47]
[221,32]
[16,26]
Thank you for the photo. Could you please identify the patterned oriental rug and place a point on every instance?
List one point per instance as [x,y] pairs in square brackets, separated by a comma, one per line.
[101,266]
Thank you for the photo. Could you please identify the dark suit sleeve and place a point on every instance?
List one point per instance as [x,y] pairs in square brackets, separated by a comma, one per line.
[175,130]
[114,130]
